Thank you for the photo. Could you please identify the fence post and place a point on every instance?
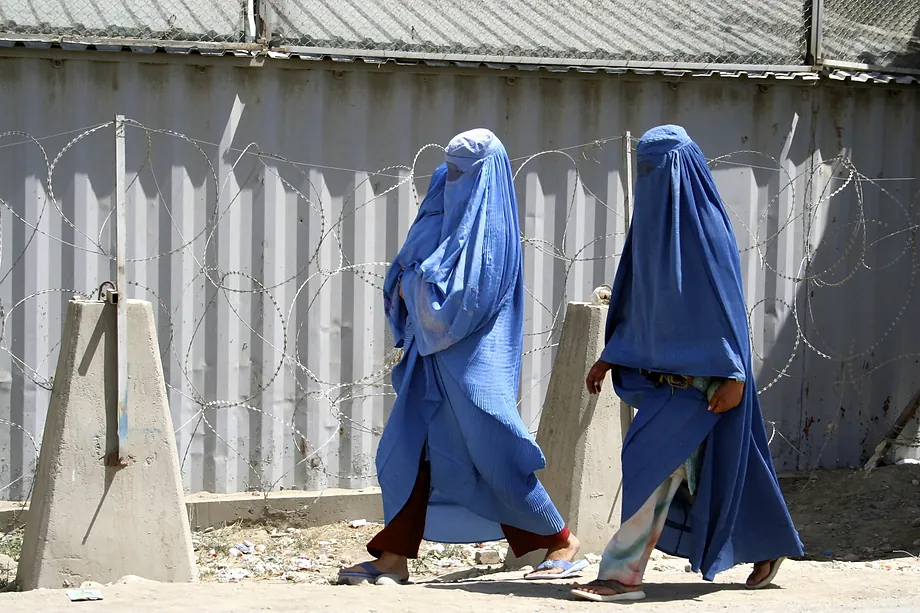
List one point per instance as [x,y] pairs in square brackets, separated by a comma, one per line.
[627,164]
[120,295]
[136,523]
[814,30]
[263,22]
[626,412]
[250,17]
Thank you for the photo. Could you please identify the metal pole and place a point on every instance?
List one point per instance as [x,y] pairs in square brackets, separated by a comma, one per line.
[251,31]
[626,412]
[627,164]
[121,297]
[263,33]
[814,12]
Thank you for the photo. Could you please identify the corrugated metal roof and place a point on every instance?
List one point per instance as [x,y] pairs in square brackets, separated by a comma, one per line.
[806,74]
[881,78]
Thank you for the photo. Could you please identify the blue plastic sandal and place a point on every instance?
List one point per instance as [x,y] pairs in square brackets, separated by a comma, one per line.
[569,569]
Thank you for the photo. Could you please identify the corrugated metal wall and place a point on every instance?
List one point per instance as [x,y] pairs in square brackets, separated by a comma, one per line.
[290,330]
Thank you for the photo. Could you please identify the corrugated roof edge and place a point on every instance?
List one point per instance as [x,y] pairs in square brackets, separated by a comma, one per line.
[803,73]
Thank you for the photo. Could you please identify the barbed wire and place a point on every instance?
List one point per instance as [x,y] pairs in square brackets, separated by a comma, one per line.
[799,205]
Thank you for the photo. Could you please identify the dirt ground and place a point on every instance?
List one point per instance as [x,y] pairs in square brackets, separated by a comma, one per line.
[861,533]
[802,587]
[849,516]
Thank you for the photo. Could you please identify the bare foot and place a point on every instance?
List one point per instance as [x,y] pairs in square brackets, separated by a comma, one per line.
[566,553]
[387,564]
[761,571]
[606,588]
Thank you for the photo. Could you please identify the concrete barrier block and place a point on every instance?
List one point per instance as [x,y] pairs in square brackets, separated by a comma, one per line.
[87,520]
[581,436]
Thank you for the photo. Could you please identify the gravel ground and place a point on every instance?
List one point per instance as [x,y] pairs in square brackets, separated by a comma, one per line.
[314,555]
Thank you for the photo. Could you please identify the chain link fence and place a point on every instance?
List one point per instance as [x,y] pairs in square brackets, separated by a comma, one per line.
[756,32]
[883,33]
[211,21]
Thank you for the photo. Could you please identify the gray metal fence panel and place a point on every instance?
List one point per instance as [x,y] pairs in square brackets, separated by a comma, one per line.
[275,379]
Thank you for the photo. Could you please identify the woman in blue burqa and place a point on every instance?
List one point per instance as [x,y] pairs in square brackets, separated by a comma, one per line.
[455,462]
[698,479]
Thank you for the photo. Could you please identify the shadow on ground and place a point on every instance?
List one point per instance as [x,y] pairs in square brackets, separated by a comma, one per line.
[655,592]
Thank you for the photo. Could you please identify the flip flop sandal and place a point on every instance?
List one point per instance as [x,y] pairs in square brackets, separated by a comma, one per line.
[621,596]
[391,580]
[568,569]
[774,568]
[370,575]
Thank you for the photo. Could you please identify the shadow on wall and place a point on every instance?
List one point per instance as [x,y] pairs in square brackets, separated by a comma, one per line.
[883,34]
[910,56]
[846,349]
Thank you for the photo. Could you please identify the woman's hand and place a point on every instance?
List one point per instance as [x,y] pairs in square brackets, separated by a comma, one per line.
[596,376]
[727,397]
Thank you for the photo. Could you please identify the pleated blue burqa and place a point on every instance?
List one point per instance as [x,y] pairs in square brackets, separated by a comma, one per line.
[677,307]
[460,325]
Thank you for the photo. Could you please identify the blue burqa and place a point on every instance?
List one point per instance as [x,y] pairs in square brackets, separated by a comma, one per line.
[677,307]
[460,325]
